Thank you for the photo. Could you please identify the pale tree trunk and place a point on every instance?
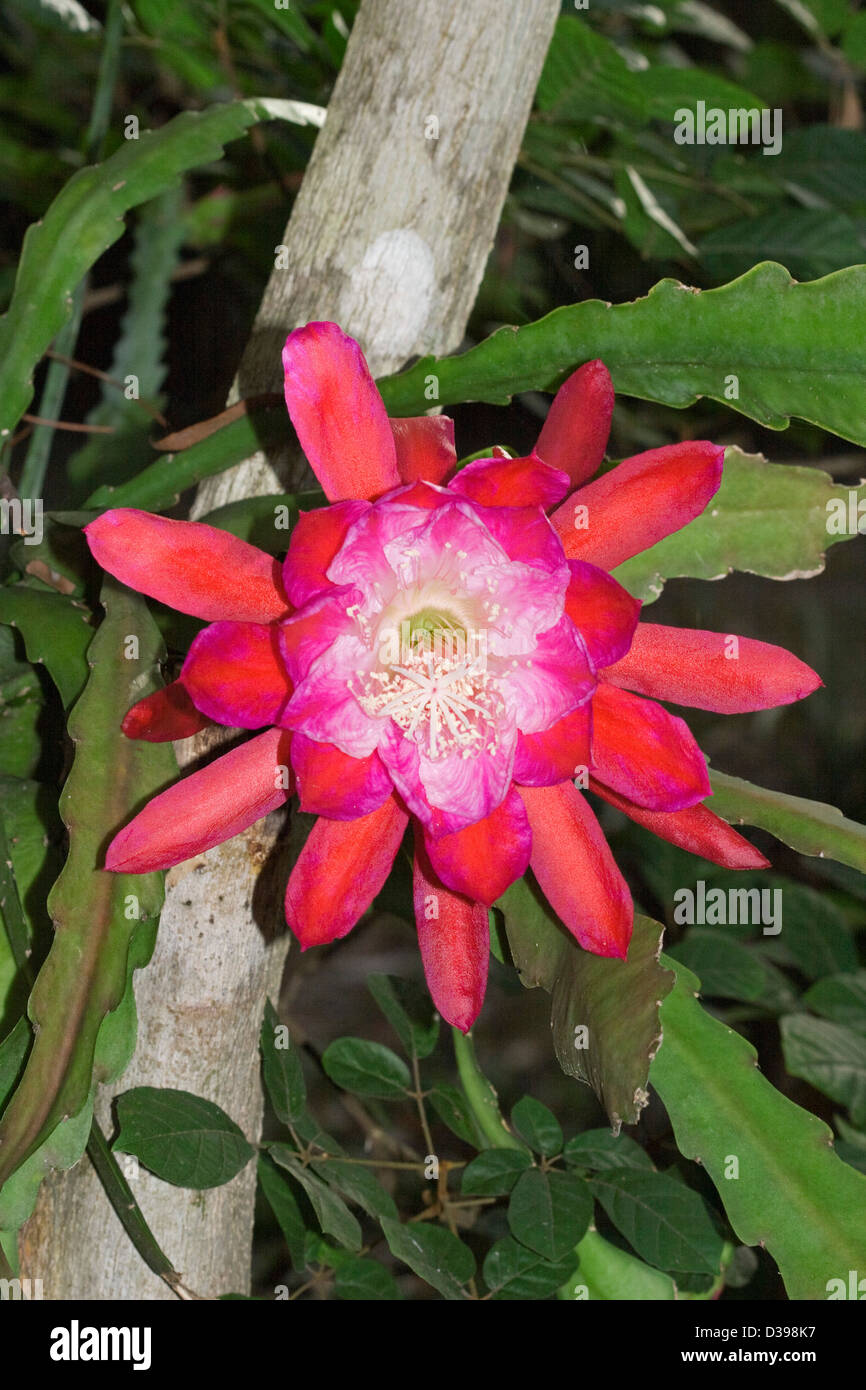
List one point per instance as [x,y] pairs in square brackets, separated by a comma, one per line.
[388,237]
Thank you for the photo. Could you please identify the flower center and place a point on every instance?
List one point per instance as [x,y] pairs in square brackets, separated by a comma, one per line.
[432,680]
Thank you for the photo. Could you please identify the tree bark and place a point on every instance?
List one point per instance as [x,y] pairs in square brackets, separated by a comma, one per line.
[388,237]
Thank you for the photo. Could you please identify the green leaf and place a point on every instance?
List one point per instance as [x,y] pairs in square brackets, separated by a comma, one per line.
[367,1069]
[13,1050]
[841,998]
[56,633]
[679,344]
[434,1254]
[810,827]
[606,1273]
[281,1066]
[512,1271]
[599,1149]
[793,1194]
[159,486]
[409,1011]
[727,968]
[87,216]
[549,1212]
[358,1184]
[604,1012]
[331,1211]
[367,1281]
[105,923]
[283,1203]
[538,1126]
[139,350]
[810,241]
[666,1222]
[766,518]
[830,1057]
[184,1139]
[494,1172]
[453,1110]
[585,78]
[815,937]
[824,163]
[264,521]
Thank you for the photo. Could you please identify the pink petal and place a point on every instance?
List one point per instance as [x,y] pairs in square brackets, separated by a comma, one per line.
[696,829]
[645,753]
[165,715]
[711,670]
[332,784]
[341,868]
[525,534]
[574,435]
[555,754]
[209,806]
[639,502]
[314,542]
[576,871]
[314,629]
[235,675]
[542,688]
[604,613]
[189,566]
[520,482]
[425,447]
[483,859]
[454,937]
[338,413]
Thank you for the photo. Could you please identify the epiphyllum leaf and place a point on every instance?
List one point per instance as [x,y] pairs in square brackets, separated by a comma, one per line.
[444,652]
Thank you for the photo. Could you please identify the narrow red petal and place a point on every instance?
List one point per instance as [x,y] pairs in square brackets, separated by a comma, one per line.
[645,753]
[556,754]
[425,447]
[576,871]
[341,868]
[574,435]
[235,674]
[338,413]
[711,670]
[330,783]
[189,566]
[642,500]
[454,937]
[604,613]
[165,715]
[314,542]
[697,829]
[483,859]
[521,482]
[207,807]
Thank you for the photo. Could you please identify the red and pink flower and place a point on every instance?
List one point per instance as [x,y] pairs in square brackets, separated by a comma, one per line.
[445,647]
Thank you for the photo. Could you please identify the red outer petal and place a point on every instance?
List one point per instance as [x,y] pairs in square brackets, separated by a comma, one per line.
[204,809]
[482,860]
[332,784]
[604,613]
[574,435]
[523,482]
[189,566]
[167,714]
[235,675]
[690,667]
[338,413]
[425,447]
[314,542]
[645,753]
[340,870]
[639,502]
[697,829]
[553,756]
[454,937]
[576,871]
